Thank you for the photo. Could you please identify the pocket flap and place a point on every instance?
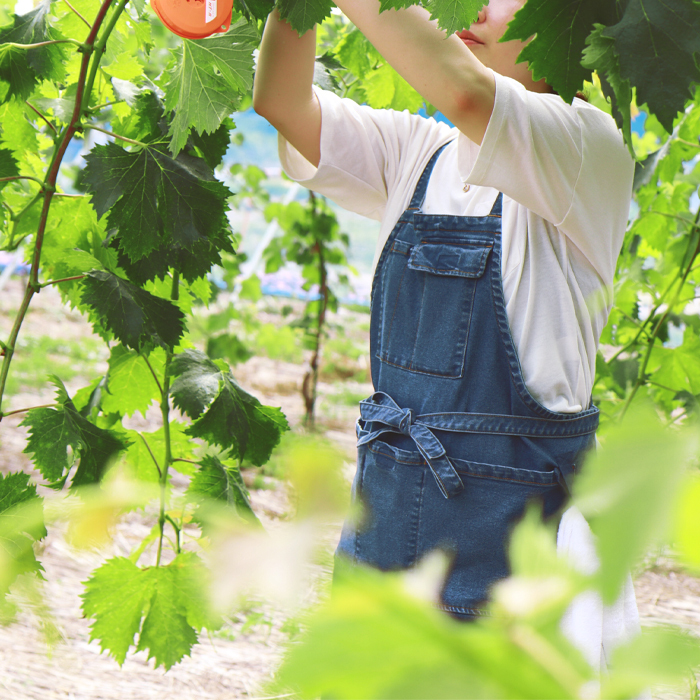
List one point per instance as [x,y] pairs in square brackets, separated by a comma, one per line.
[453,260]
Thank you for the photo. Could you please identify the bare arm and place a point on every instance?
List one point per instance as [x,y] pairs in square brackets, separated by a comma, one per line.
[282,92]
[441,68]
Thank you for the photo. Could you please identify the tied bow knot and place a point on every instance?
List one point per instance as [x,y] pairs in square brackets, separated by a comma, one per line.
[382,414]
[406,421]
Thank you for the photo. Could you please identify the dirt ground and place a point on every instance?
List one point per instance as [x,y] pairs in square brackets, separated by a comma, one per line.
[233,664]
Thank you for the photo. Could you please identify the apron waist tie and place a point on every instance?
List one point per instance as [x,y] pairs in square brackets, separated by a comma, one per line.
[381,408]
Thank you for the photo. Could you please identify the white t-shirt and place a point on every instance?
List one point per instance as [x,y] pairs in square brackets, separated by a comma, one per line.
[566,177]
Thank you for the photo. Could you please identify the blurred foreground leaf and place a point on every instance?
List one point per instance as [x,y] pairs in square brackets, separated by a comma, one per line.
[374,640]
[626,492]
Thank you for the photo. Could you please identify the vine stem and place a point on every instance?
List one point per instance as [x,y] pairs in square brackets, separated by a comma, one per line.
[651,341]
[99,49]
[311,379]
[652,314]
[49,184]
[165,412]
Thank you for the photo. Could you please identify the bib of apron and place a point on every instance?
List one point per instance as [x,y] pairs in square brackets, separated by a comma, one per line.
[451,446]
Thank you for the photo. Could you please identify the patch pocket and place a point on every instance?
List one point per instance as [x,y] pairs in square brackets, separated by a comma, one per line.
[427,299]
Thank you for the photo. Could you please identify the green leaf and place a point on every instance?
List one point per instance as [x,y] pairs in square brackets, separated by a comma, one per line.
[197,383]
[131,386]
[228,347]
[304,14]
[259,9]
[153,200]
[165,606]
[8,165]
[23,68]
[137,318]
[52,431]
[213,147]
[166,633]
[181,447]
[600,56]
[658,44]
[224,414]
[560,30]
[353,52]
[206,82]
[219,483]
[454,15]
[21,524]
[375,640]
[625,491]
[656,657]
[678,368]
[115,596]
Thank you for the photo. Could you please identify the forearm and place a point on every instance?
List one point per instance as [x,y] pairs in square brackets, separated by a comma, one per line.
[283,92]
[441,68]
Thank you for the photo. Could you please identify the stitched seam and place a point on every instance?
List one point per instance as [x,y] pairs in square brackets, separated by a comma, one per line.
[420,317]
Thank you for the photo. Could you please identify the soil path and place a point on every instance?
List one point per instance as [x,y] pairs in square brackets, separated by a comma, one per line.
[236,662]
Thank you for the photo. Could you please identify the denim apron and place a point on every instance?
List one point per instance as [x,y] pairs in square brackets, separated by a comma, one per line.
[451,446]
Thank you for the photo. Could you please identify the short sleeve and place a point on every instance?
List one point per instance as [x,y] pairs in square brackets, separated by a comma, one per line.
[566,163]
[366,153]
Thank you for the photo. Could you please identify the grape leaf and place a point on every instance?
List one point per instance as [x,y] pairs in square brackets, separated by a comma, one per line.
[206,82]
[385,88]
[21,524]
[137,318]
[53,430]
[115,596]
[560,29]
[118,595]
[181,447]
[192,263]
[153,199]
[600,56]
[678,368]
[130,385]
[259,9]
[23,68]
[304,14]
[395,4]
[213,146]
[658,44]
[454,15]
[224,414]
[353,52]
[166,634]
[215,481]
[8,165]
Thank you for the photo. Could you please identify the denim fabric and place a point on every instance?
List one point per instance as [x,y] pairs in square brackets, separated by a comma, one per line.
[451,446]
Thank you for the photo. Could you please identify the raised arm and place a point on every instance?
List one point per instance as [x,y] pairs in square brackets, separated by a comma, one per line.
[441,68]
[282,92]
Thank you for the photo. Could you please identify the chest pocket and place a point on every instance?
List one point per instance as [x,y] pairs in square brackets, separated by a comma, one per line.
[427,303]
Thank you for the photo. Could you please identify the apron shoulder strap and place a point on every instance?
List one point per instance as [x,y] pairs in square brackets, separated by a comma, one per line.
[497,208]
[422,186]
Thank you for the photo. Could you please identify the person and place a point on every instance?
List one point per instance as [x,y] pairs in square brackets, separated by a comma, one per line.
[494,269]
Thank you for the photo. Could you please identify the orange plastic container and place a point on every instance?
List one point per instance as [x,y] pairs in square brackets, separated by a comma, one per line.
[194,19]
